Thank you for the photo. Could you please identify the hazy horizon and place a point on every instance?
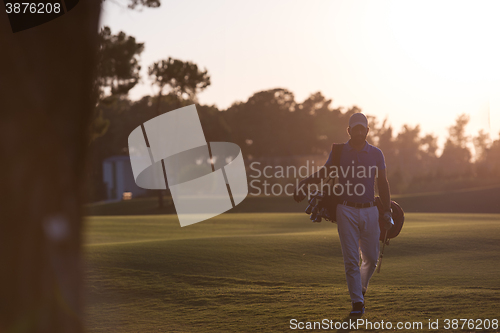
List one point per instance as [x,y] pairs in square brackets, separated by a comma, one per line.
[412,62]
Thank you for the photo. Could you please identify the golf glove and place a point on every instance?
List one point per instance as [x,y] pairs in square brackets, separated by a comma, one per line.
[388,222]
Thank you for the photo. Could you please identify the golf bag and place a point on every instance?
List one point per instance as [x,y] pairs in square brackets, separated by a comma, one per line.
[323,203]
[398,216]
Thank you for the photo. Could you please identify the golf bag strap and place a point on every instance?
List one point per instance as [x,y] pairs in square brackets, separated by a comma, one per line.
[331,200]
[336,153]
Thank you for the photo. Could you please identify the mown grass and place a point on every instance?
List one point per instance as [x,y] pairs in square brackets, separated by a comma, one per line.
[471,200]
[254,272]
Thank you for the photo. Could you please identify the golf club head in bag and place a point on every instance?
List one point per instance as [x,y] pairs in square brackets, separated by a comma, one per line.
[318,206]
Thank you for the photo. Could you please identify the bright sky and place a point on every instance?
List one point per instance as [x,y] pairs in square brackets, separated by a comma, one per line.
[415,62]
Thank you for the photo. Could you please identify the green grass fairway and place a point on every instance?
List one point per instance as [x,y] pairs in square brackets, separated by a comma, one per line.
[254,272]
[471,200]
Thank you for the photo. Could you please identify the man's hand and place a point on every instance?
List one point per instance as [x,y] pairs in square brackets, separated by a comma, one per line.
[388,222]
[300,192]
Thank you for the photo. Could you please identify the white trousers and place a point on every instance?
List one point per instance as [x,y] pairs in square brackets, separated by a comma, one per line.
[358,230]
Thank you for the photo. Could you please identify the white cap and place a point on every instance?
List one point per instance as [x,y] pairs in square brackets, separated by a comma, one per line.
[358,119]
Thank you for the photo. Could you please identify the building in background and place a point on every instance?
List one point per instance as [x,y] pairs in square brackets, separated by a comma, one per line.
[119,179]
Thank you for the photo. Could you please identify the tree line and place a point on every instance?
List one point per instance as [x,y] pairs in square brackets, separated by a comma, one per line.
[272,123]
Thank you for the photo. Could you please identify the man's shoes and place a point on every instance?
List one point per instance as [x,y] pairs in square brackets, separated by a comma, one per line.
[358,309]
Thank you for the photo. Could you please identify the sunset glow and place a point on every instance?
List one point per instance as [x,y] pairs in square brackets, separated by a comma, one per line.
[414,62]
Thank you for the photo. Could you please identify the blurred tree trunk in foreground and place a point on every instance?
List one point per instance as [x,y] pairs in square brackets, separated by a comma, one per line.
[46,78]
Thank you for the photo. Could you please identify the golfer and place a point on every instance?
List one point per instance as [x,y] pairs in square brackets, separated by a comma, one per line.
[357,215]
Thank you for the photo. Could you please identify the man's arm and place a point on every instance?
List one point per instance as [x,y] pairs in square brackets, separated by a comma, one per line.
[383,190]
